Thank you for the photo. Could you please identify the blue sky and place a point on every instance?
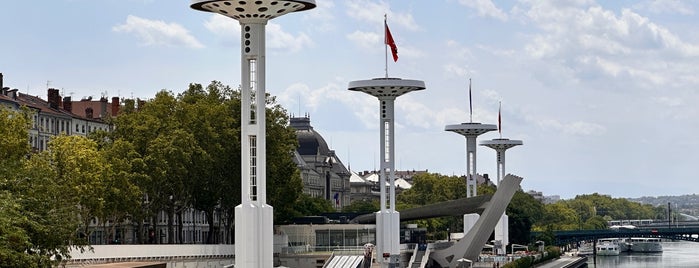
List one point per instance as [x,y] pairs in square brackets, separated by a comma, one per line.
[603,93]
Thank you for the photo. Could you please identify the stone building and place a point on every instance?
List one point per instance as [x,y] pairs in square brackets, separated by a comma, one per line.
[323,173]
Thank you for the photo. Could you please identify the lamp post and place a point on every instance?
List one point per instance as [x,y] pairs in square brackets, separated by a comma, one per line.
[253,217]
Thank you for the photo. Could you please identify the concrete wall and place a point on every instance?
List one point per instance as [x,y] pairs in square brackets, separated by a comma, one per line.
[176,256]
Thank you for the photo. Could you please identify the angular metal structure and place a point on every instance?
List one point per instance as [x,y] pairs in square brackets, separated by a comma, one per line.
[470,246]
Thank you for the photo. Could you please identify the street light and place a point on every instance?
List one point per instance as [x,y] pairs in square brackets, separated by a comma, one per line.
[541,245]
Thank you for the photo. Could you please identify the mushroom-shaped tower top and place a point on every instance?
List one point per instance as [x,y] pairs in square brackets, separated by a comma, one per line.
[471,129]
[501,144]
[253,9]
[386,87]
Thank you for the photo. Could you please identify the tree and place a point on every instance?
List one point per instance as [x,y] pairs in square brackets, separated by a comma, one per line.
[13,139]
[122,195]
[78,170]
[362,206]
[523,211]
[307,205]
[190,145]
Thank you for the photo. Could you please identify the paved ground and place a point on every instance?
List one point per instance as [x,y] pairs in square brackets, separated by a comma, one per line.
[564,260]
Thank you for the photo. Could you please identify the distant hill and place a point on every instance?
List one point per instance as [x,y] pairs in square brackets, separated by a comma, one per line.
[687,204]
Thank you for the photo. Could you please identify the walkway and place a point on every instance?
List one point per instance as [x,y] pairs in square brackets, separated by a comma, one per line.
[564,262]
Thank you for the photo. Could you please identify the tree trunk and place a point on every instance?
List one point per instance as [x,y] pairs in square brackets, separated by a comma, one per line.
[180,234]
[212,229]
[170,225]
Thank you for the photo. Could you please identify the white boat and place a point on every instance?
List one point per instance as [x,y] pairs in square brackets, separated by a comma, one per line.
[585,249]
[607,247]
[624,244]
[646,244]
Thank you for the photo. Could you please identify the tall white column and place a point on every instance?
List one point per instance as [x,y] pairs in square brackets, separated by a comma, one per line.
[387,218]
[502,228]
[253,217]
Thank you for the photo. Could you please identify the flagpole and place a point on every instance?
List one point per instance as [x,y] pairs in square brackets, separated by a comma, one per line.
[470,101]
[500,118]
[385,46]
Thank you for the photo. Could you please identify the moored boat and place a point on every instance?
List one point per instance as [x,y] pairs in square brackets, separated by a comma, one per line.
[607,247]
[646,244]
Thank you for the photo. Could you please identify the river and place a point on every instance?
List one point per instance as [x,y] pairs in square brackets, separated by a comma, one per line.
[675,254]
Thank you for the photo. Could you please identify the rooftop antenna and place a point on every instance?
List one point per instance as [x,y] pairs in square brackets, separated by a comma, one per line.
[48,82]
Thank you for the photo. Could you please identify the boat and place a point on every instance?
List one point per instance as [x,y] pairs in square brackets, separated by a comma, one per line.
[646,244]
[624,244]
[607,247]
[585,249]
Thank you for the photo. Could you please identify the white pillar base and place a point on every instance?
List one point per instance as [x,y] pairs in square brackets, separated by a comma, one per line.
[388,238]
[254,236]
[469,221]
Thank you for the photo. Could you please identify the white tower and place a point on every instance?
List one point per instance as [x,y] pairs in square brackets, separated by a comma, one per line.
[501,229]
[253,217]
[387,219]
[471,131]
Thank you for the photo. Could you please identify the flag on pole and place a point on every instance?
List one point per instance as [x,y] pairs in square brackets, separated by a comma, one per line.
[388,40]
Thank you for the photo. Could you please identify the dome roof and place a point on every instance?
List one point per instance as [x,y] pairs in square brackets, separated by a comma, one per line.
[310,142]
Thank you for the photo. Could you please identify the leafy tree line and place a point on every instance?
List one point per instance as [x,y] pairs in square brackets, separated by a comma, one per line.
[169,154]
[525,213]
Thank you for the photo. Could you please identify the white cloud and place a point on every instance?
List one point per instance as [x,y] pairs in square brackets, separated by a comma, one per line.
[279,39]
[322,15]
[158,33]
[457,70]
[228,31]
[365,39]
[485,8]
[372,12]
[666,6]
[578,128]
[592,43]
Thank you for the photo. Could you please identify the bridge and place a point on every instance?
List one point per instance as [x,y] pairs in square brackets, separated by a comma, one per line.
[687,233]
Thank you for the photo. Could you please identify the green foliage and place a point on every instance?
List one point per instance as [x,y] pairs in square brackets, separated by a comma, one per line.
[308,206]
[523,211]
[362,206]
[190,146]
[14,143]
[586,212]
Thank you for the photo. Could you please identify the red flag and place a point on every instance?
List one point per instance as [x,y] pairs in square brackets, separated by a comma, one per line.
[389,41]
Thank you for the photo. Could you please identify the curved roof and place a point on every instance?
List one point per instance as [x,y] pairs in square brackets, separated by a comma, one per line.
[310,142]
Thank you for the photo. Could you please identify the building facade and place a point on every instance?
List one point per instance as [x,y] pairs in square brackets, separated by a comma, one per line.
[323,173]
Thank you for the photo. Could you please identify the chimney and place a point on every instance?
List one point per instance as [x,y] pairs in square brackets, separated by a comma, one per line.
[53,98]
[115,106]
[103,107]
[12,93]
[88,112]
[1,86]
[67,104]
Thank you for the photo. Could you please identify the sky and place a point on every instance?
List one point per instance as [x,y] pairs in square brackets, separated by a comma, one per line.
[602,93]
